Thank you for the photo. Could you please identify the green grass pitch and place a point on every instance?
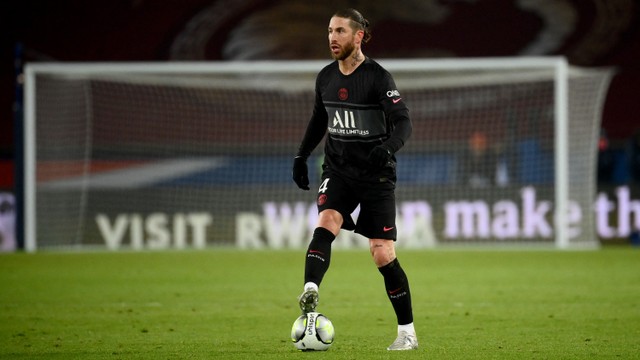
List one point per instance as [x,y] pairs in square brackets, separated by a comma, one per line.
[226,304]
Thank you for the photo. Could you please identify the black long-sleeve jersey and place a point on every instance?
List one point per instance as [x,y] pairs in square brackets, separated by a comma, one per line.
[358,111]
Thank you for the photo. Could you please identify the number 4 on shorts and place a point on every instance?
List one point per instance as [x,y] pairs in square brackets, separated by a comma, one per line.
[323,186]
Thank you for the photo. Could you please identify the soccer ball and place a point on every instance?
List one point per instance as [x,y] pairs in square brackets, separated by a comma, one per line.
[312,331]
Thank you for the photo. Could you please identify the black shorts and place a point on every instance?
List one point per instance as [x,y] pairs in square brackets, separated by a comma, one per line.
[377,218]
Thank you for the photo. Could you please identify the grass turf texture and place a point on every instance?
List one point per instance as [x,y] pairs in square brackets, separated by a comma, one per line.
[226,304]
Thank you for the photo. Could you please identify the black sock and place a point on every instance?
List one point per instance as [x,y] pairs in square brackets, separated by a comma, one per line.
[397,286]
[318,256]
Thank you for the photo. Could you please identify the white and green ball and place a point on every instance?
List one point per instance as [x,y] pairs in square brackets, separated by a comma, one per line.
[312,331]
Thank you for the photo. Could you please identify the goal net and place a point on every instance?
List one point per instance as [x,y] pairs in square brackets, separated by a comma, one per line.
[195,155]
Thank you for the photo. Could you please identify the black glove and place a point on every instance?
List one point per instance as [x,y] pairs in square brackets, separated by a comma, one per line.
[300,172]
[379,156]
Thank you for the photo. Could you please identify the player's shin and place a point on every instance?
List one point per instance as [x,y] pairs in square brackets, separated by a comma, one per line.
[318,256]
[397,287]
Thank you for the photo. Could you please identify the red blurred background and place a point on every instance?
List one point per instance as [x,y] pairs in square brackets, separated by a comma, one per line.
[588,32]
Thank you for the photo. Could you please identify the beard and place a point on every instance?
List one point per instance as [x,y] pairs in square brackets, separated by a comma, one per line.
[344,53]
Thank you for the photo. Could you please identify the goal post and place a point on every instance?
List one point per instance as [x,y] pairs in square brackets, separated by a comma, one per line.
[179,155]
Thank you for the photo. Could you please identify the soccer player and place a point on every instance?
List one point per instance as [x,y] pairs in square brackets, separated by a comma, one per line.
[358,105]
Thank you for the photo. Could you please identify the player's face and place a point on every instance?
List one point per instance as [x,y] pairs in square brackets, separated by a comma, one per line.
[342,38]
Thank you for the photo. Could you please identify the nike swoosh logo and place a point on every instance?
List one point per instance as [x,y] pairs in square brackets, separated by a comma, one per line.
[316,252]
[385,229]
[395,101]
[391,292]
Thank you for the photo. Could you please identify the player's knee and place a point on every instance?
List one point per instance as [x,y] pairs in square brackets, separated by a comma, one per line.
[382,252]
[331,220]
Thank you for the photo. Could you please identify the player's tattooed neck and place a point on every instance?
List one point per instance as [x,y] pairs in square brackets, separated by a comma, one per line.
[356,57]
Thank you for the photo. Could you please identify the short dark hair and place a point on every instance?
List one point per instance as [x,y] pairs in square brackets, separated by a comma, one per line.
[358,22]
